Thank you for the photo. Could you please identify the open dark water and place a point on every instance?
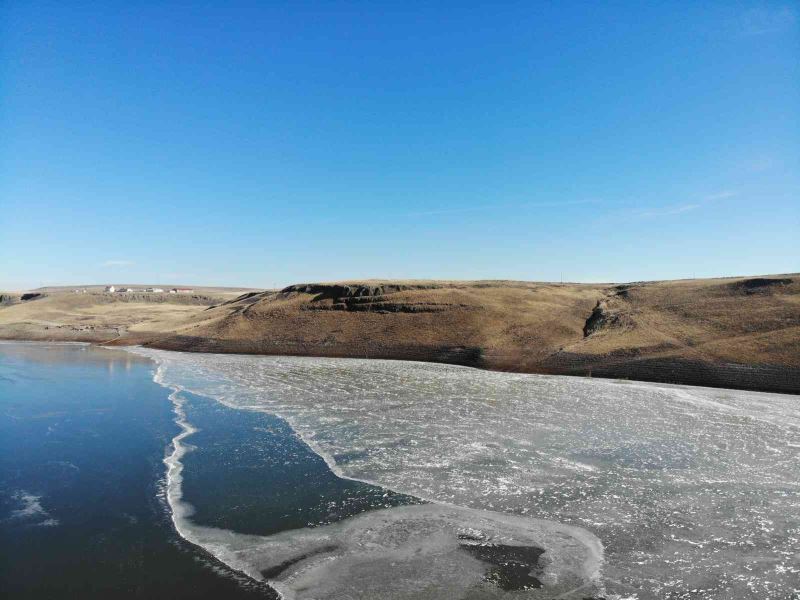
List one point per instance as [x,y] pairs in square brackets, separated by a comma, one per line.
[248,472]
[83,433]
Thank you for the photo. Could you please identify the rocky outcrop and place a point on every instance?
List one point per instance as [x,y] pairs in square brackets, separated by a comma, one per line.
[365,298]
[612,312]
[334,291]
[760,284]
[380,305]
[605,317]
[597,320]
[31,296]
[8,299]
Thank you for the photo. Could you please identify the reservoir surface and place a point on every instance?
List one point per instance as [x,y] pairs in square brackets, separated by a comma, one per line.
[83,433]
[154,474]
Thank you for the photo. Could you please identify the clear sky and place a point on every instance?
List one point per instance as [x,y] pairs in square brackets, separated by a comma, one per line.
[269,143]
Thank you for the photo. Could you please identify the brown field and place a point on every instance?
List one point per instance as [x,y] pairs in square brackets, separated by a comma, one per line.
[59,314]
[732,332]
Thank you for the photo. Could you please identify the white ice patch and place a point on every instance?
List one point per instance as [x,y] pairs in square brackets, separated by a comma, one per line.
[415,552]
[409,552]
[31,510]
[31,506]
[676,481]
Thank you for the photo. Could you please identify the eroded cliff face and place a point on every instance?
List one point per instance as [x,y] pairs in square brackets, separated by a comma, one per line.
[370,298]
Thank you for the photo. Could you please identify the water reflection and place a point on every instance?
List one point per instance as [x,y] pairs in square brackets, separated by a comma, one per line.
[51,353]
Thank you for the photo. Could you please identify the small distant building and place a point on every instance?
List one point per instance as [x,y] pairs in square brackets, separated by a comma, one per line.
[181,291]
[110,289]
[154,290]
[129,290]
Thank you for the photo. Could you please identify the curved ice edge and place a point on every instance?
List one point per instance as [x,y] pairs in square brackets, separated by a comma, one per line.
[45,343]
[222,544]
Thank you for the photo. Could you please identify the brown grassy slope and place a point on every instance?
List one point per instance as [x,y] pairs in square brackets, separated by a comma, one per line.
[97,317]
[737,332]
[454,322]
[741,332]
[734,320]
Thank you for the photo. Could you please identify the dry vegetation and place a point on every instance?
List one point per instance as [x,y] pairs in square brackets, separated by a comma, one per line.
[737,332]
[54,314]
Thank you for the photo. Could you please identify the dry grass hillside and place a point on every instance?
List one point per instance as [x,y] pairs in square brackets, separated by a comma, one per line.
[742,332]
[55,314]
[733,332]
[737,332]
[452,322]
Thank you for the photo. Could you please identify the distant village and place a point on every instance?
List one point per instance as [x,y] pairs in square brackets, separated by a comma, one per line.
[111,289]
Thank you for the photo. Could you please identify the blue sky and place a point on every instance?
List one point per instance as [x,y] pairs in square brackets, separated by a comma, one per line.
[263,144]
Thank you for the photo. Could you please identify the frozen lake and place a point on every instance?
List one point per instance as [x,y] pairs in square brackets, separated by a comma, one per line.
[632,490]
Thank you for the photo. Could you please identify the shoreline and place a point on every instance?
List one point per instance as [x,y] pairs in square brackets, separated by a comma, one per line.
[677,372]
[734,333]
[671,371]
[182,511]
[684,403]
[738,420]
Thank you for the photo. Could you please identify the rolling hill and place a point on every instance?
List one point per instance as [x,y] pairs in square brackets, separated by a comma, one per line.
[730,332]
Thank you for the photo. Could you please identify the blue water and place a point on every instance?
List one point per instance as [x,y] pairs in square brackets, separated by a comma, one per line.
[83,432]
[83,435]
[249,472]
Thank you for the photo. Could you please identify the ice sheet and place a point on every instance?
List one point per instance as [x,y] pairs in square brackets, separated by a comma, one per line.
[693,491]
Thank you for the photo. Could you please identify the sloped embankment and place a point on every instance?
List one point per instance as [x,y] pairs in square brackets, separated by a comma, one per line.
[468,323]
[739,332]
[742,333]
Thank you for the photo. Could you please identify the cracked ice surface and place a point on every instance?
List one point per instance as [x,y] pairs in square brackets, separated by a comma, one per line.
[693,491]
[409,552]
